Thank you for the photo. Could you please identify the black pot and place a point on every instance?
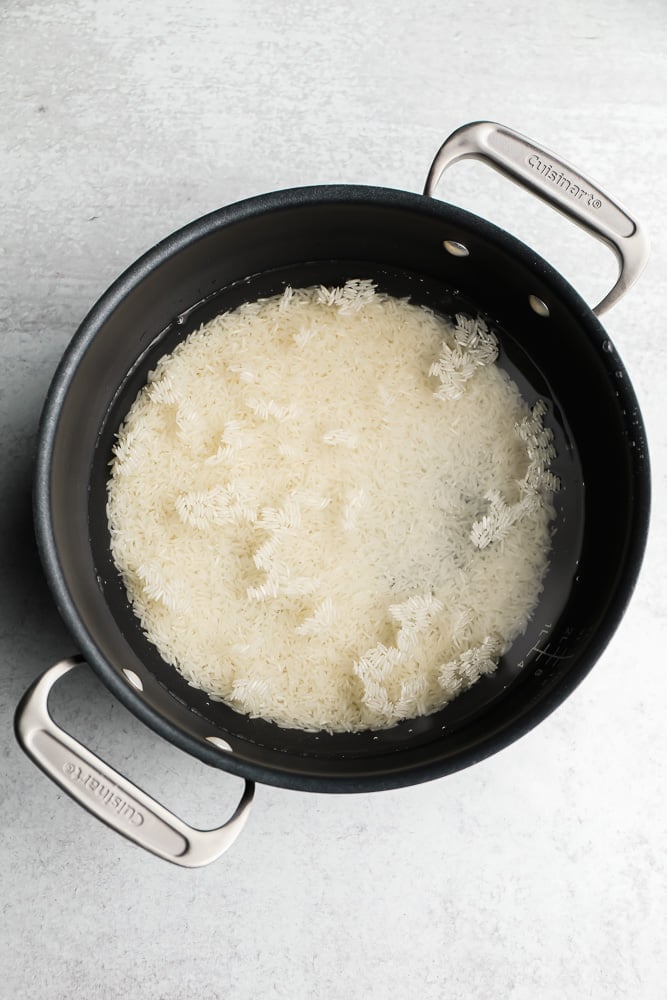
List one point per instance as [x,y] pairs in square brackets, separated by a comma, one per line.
[551,343]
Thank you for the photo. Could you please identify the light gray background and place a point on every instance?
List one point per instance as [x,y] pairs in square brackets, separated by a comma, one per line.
[539,874]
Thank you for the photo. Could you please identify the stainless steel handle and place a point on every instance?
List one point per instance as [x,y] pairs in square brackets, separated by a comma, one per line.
[109,795]
[556,182]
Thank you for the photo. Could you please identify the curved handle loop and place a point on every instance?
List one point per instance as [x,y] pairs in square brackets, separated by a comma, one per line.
[555,181]
[109,795]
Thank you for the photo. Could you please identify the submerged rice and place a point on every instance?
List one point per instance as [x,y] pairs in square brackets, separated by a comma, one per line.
[330,508]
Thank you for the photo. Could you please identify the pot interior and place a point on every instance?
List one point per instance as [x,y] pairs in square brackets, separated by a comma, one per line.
[326,236]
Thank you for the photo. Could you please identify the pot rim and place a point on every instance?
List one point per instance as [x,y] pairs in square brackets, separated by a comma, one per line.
[170,246]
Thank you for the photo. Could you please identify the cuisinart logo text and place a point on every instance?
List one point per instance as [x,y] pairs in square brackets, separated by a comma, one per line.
[106,794]
[551,173]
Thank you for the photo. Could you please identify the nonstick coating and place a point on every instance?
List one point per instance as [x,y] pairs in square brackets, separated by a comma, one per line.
[325,235]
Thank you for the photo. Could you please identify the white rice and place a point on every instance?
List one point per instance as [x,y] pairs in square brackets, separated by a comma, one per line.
[331,509]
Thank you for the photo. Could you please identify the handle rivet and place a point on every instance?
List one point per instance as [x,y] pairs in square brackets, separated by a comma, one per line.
[219,742]
[456,249]
[134,679]
[538,305]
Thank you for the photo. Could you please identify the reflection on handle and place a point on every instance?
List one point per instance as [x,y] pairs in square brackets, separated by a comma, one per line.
[556,182]
[109,795]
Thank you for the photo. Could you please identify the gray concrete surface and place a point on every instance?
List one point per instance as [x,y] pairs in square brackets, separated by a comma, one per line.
[541,873]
